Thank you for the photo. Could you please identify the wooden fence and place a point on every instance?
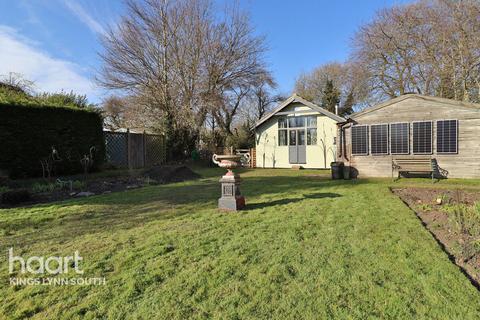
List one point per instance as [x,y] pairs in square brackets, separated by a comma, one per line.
[134,150]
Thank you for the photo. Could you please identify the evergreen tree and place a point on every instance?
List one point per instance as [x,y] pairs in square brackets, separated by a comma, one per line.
[330,97]
[347,108]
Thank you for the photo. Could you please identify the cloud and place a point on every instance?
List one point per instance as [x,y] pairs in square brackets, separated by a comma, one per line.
[84,16]
[21,55]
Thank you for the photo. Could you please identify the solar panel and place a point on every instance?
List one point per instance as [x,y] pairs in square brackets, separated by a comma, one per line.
[399,138]
[447,136]
[379,138]
[422,137]
[360,140]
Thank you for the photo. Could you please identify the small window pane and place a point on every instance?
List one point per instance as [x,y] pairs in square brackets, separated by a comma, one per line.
[379,136]
[296,122]
[422,137]
[399,138]
[282,123]
[447,136]
[312,121]
[301,137]
[282,137]
[311,137]
[360,140]
[300,122]
[293,137]
[292,122]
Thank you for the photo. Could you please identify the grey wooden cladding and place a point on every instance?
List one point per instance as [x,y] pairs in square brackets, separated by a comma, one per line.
[463,164]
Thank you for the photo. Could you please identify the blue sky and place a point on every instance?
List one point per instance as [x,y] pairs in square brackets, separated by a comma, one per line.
[55,42]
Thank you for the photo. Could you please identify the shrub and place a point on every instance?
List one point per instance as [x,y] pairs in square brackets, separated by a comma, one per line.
[28,133]
[15,196]
[78,185]
[43,187]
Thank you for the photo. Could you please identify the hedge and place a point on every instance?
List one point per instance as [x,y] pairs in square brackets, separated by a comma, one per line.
[28,133]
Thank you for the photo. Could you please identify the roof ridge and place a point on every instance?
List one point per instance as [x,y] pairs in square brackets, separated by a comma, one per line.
[298,98]
[417,96]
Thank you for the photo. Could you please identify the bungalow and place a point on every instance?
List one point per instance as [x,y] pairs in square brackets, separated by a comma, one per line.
[408,130]
[297,133]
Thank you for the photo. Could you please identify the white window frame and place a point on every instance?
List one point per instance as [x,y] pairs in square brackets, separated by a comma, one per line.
[431,138]
[367,140]
[408,138]
[282,129]
[436,137]
[388,139]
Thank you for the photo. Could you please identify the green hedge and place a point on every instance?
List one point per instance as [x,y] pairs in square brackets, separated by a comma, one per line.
[28,133]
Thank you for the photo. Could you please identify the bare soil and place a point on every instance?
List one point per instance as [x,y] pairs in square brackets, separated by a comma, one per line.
[443,225]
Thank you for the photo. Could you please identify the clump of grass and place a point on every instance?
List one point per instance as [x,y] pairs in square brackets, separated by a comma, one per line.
[4,189]
[446,199]
[465,218]
[424,207]
[43,187]
[78,185]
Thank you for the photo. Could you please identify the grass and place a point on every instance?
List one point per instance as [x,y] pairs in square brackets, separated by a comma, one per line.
[306,247]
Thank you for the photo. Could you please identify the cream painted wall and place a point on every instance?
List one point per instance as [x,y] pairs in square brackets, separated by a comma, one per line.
[271,155]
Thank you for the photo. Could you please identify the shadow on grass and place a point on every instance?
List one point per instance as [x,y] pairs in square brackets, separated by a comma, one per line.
[134,208]
[262,205]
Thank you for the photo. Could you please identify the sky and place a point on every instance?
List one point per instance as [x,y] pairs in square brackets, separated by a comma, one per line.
[56,43]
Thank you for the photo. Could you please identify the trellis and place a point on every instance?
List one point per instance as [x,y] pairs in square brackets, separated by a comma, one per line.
[134,150]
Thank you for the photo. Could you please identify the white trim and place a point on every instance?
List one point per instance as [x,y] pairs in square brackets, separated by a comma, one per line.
[390,138]
[431,139]
[436,137]
[296,98]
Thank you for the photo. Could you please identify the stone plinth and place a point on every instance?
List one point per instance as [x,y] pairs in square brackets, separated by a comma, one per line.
[232,198]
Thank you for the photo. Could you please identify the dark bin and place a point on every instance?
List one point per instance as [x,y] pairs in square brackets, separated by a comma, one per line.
[337,170]
[346,172]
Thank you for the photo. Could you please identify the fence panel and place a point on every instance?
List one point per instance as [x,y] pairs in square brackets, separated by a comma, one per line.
[116,148]
[134,150]
[156,152]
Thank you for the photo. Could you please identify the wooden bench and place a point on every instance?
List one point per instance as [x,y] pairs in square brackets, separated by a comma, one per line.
[415,165]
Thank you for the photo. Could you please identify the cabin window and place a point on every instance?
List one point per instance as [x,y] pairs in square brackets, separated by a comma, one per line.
[282,123]
[293,138]
[360,140]
[422,137]
[379,138]
[447,136]
[311,130]
[312,121]
[282,131]
[311,136]
[296,122]
[399,138]
[282,137]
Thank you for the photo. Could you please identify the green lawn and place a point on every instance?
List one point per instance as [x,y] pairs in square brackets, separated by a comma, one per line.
[306,247]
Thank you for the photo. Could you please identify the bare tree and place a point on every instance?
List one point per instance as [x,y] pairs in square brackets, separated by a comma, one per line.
[346,77]
[184,63]
[428,47]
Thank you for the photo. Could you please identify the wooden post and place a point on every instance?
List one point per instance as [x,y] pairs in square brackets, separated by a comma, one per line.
[144,149]
[128,150]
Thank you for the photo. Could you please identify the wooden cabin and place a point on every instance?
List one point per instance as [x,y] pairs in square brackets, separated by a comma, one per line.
[297,133]
[412,127]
